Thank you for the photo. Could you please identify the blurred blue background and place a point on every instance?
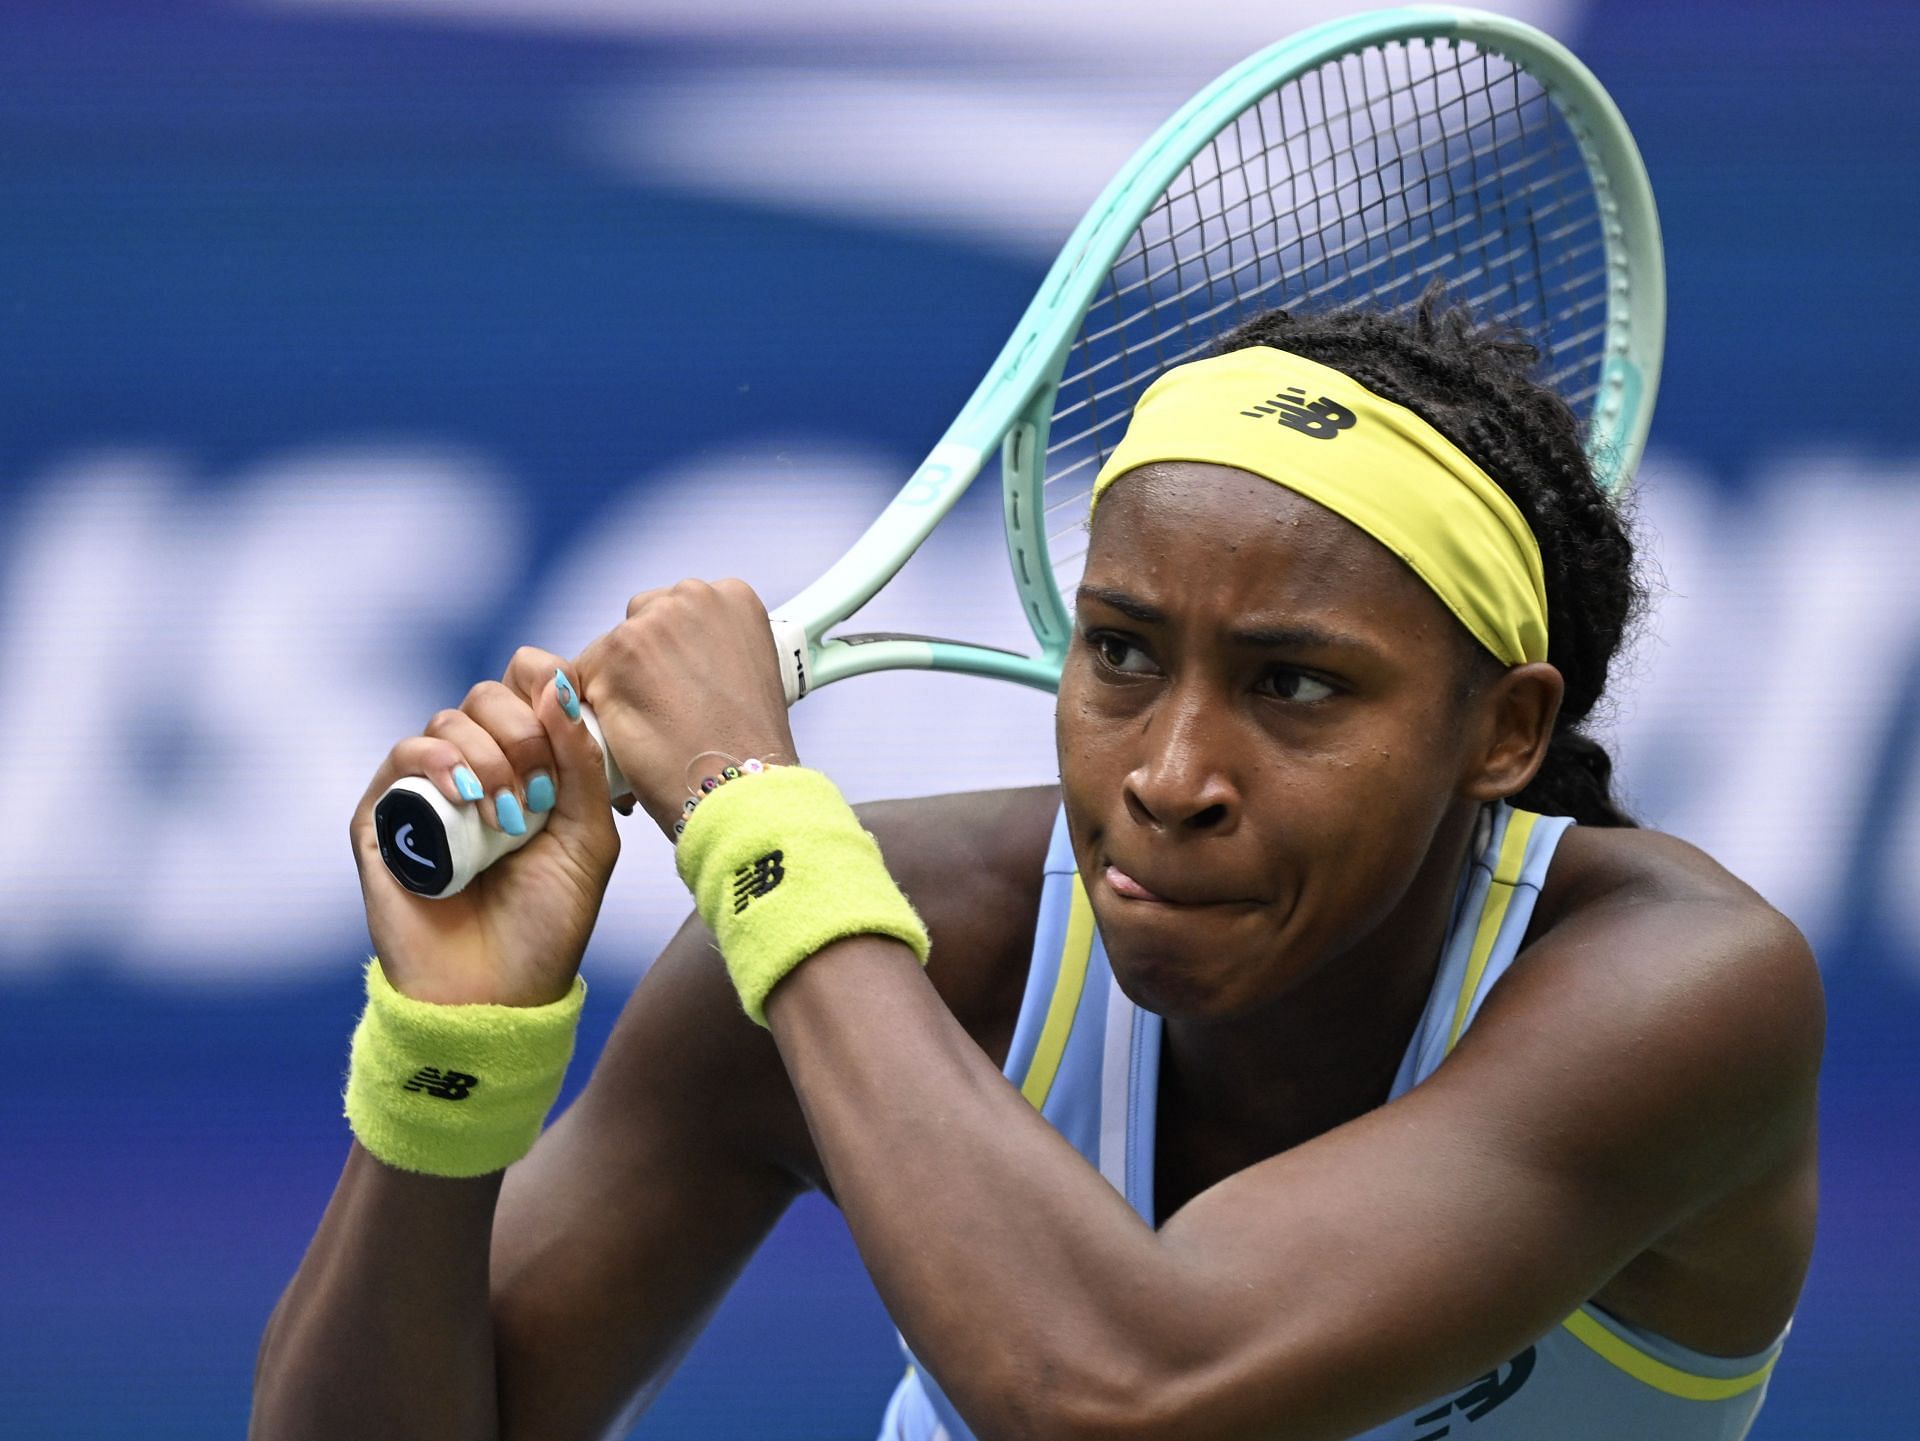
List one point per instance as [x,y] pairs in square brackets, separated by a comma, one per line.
[348,343]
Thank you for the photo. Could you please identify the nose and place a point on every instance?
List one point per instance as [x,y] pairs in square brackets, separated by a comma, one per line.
[1184,780]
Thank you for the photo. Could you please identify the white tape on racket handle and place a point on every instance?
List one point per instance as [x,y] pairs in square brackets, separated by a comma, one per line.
[473,845]
[790,644]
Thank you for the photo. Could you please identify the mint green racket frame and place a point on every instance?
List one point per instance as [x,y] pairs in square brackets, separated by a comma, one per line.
[1010,412]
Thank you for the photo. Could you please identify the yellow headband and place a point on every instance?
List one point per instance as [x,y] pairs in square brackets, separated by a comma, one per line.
[1321,433]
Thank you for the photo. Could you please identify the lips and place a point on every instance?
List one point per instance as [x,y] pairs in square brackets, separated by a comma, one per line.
[1124,885]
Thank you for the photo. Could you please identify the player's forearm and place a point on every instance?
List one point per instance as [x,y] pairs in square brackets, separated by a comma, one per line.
[1017,1274]
[385,1331]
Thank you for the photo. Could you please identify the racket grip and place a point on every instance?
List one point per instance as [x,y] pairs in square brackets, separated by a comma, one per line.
[435,847]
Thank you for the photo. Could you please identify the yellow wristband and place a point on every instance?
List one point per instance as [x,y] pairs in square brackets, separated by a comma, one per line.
[455,1090]
[780,868]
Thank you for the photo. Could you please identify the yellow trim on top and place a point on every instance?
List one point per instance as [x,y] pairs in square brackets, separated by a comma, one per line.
[1622,1353]
[1506,874]
[1067,987]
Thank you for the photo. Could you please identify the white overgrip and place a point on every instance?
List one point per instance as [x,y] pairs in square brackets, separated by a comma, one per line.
[472,845]
[618,788]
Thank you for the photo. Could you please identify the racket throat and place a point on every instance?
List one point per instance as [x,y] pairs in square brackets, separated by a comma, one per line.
[875,637]
[796,660]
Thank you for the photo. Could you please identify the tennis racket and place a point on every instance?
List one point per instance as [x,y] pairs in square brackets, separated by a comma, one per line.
[1352,164]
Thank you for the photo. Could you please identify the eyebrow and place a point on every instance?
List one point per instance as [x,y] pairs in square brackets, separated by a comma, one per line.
[1286,637]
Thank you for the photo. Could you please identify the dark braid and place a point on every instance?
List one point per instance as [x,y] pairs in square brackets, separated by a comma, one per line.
[1475,385]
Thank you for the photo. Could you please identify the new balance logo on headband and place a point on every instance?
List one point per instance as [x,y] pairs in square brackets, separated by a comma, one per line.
[1321,418]
[755,879]
[447,1085]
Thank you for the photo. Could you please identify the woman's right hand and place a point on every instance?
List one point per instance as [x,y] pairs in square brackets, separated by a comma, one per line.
[515,935]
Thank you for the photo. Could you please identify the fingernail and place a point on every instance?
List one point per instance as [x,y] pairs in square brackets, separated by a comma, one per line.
[468,784]
[563,688]
[507,808]
[540,795]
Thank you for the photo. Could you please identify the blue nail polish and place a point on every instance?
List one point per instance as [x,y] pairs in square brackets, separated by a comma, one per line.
[540,795]
[507,809]
[563,688]
[468,784]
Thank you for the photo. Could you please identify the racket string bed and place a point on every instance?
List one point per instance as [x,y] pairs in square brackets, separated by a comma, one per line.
[1356,183]
[1238,303]
[1375,231]
[1309,293]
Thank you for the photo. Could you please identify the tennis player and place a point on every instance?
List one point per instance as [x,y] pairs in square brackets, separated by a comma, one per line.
[1326,1056]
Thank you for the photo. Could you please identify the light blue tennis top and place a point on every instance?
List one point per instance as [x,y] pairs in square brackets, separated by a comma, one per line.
[1090,1060]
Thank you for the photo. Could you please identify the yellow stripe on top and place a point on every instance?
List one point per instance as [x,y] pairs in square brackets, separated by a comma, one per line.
[1506,874]
[1658,1374]
[1071,981]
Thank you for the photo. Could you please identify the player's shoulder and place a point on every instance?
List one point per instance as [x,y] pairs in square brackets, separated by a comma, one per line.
[1621,863]
[1656,1045]
[1645,947]
[1607,879]
[972,865]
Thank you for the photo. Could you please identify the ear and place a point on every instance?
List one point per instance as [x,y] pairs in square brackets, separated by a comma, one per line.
[1515,714]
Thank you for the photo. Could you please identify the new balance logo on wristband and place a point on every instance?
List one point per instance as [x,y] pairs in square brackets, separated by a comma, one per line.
[447,1085]
[755,879]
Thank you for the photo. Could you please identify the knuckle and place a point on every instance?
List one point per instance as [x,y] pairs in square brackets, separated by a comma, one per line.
[743,594]
[659,616]
[530,669]
[528,658]
[517,728]
[442,721]
[621,641]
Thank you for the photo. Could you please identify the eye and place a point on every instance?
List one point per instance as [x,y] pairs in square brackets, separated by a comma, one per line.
[1296,685]
[1117,653]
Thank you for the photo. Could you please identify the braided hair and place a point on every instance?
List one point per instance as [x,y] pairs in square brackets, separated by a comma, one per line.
[1474,384]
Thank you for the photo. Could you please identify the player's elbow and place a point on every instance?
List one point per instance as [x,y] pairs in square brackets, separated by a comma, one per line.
[1083,1407]
[1121,1394]
[1126,1409]
[1140,1408]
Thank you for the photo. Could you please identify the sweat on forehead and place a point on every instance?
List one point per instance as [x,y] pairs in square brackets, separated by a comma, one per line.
[1191,539]
[1230,505]
[1319,432]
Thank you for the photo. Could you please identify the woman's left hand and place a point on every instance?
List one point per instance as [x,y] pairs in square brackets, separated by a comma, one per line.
[690,675]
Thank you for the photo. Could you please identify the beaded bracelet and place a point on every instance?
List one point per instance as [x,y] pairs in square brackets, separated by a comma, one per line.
[709,784]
